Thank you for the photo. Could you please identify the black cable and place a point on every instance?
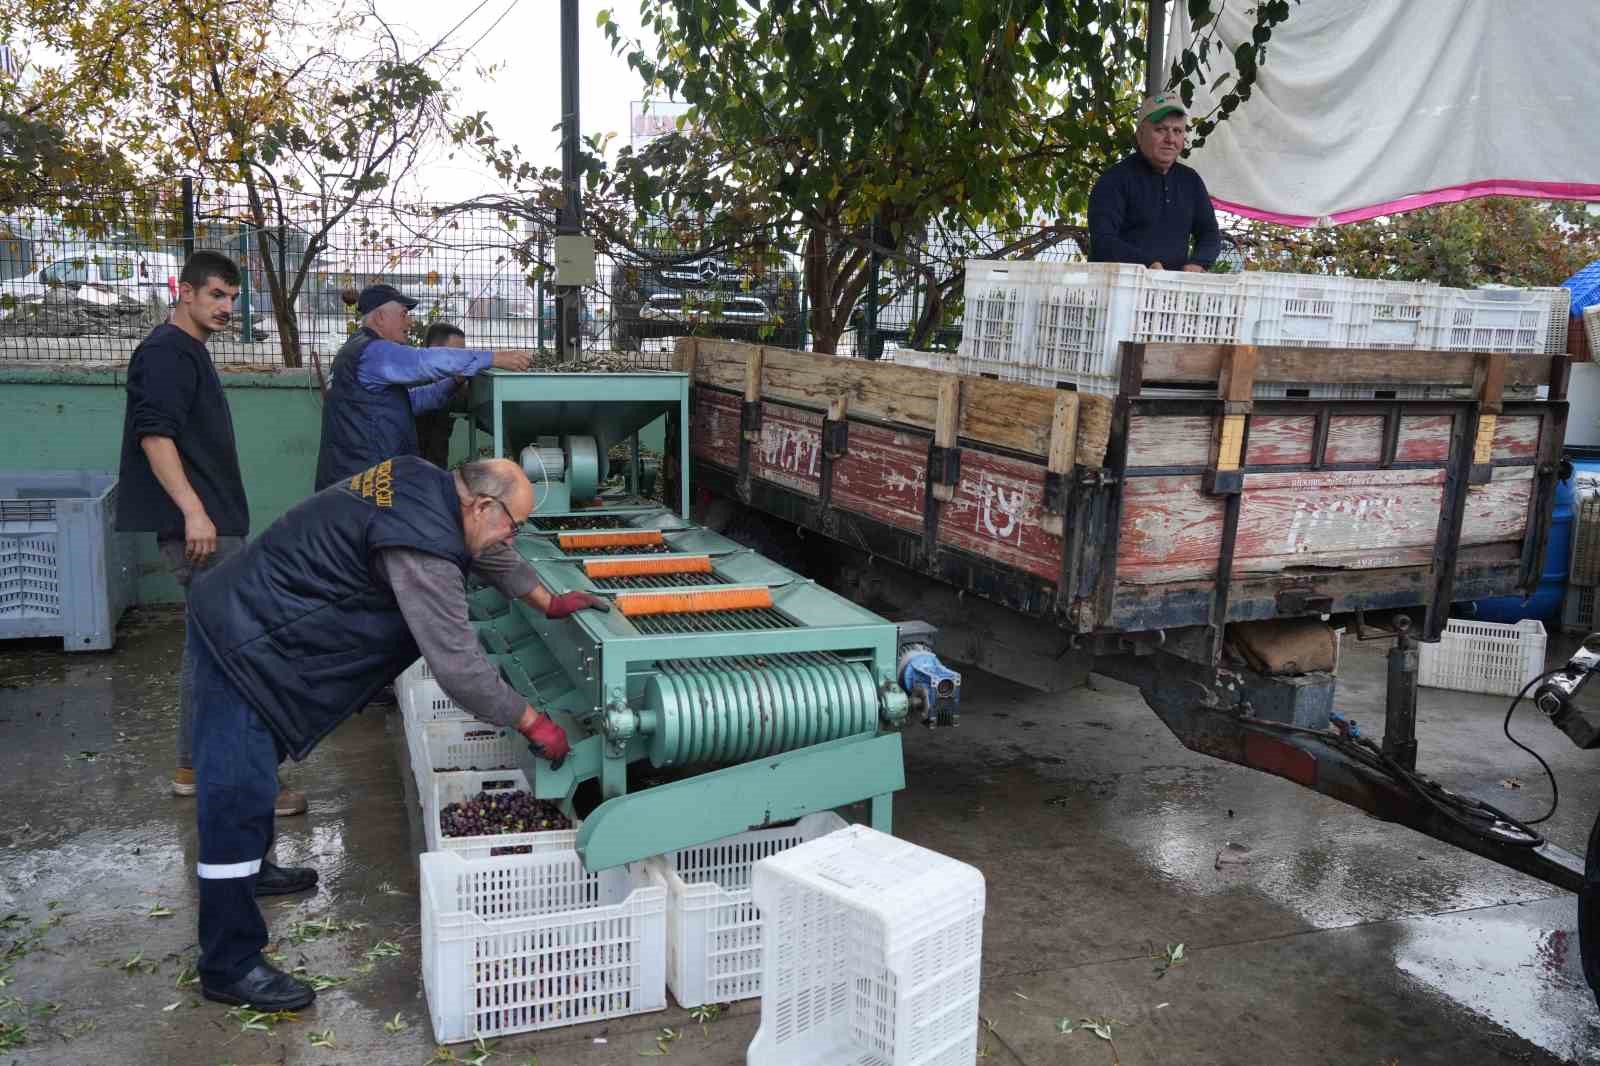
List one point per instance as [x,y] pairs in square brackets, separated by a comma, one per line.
[1555,792]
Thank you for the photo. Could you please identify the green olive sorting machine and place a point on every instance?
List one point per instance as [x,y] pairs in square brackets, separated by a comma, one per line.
[738,692]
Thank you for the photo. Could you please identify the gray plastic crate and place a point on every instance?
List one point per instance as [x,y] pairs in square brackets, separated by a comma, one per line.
[64,570]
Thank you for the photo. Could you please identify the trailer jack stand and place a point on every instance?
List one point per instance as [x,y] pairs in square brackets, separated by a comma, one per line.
[1211,710]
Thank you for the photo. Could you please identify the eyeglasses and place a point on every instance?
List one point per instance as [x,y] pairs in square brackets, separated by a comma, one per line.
[512,522]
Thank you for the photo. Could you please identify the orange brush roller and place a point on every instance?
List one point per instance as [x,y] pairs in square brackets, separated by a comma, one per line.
[631,538]
[680,564]
[737,599]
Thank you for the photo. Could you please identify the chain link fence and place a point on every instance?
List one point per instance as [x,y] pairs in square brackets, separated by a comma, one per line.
[84,281]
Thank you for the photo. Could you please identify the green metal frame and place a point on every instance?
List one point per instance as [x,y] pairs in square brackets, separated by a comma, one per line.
[492,390]
[591,671]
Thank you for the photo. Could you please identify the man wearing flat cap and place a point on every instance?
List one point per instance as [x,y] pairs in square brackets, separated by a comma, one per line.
[380,384]
[1149,208]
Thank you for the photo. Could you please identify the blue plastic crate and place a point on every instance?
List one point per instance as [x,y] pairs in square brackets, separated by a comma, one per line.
[64,570]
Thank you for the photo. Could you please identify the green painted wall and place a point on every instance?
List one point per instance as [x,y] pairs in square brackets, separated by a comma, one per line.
[70,418]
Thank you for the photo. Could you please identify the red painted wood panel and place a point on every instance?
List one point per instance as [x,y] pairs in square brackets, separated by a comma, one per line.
[790,450]
[1423,438]
[1280,440]
[996,513]
[1170,530]
[715,433]
[883,475]
[1355,439]
[1499,510]
[1516,437]
[1179,440]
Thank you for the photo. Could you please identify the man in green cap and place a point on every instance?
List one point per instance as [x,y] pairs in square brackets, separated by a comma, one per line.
[1149,208]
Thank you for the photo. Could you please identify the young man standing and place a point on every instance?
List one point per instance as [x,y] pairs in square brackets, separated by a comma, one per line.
[179,475]
[434,426]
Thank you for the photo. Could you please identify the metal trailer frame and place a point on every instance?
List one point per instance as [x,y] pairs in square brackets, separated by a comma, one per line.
[1169,644]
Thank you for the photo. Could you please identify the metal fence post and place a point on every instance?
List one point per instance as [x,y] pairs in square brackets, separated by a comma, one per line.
[871,341]
[247,332]
[188,217]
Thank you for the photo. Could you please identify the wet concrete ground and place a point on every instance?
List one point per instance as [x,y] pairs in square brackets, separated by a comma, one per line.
[1341,941]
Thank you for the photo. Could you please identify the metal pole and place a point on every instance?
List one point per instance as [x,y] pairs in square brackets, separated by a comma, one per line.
[872,347]
[568,334]
[247,331]
[1400,706]
[1155,75]
[188,217]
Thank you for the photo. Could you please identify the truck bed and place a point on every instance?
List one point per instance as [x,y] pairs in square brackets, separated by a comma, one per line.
[1108,514]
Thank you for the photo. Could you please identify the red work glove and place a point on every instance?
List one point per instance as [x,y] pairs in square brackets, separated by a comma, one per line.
[546,738]
[567,602]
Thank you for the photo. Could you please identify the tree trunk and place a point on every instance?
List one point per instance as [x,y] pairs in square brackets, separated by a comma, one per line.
[283,312]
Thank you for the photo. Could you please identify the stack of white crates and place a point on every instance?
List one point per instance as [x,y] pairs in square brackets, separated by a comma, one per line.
[1053,323]
[518,936]
[872,954]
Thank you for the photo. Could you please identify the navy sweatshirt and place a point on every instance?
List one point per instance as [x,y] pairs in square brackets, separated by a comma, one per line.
[1137,215]
[174,391]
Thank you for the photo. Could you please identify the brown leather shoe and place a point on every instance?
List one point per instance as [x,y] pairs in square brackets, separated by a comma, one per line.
[289,803]
[183,781]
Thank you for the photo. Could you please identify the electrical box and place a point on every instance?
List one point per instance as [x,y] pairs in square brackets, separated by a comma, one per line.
[575,259]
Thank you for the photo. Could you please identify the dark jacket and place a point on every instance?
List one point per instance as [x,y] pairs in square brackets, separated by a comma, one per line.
[173,391]
[1138,215]
[298,621]
[361,427]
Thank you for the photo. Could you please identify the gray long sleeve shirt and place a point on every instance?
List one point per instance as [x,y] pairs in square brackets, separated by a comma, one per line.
[433,600]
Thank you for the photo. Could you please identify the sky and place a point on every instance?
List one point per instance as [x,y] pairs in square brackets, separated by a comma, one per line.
[522,100]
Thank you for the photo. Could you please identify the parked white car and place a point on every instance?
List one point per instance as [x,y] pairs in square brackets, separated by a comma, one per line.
[100,274]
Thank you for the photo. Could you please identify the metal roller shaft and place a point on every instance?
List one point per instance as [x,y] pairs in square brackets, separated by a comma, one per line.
[733,710]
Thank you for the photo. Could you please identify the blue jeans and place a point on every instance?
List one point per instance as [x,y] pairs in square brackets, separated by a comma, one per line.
[236,759]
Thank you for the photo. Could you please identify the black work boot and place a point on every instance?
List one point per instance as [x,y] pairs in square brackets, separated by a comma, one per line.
[265,988]
[275,880]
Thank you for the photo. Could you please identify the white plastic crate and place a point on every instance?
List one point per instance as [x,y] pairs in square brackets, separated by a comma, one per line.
[1052,322]
[445,789]
[1082,311]
[1278,390]
[425,701]
[1326,311]
[997,315]
[526,942]
[450,746]
[1182,307]
[1490,657]
[946,362]
[1498,320]
[713,926]
[417,671]
[873,950]
[1591,329]
[1577,610]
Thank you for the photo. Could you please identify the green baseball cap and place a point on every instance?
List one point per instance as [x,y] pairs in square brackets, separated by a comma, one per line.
[1159,106]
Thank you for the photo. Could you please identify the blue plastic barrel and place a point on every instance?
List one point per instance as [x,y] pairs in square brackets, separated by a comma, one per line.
[1545,603]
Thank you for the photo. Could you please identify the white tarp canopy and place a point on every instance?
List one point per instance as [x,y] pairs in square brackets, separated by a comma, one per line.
[1369,107]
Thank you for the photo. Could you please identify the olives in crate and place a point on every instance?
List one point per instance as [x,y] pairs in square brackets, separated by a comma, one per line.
[490,813]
